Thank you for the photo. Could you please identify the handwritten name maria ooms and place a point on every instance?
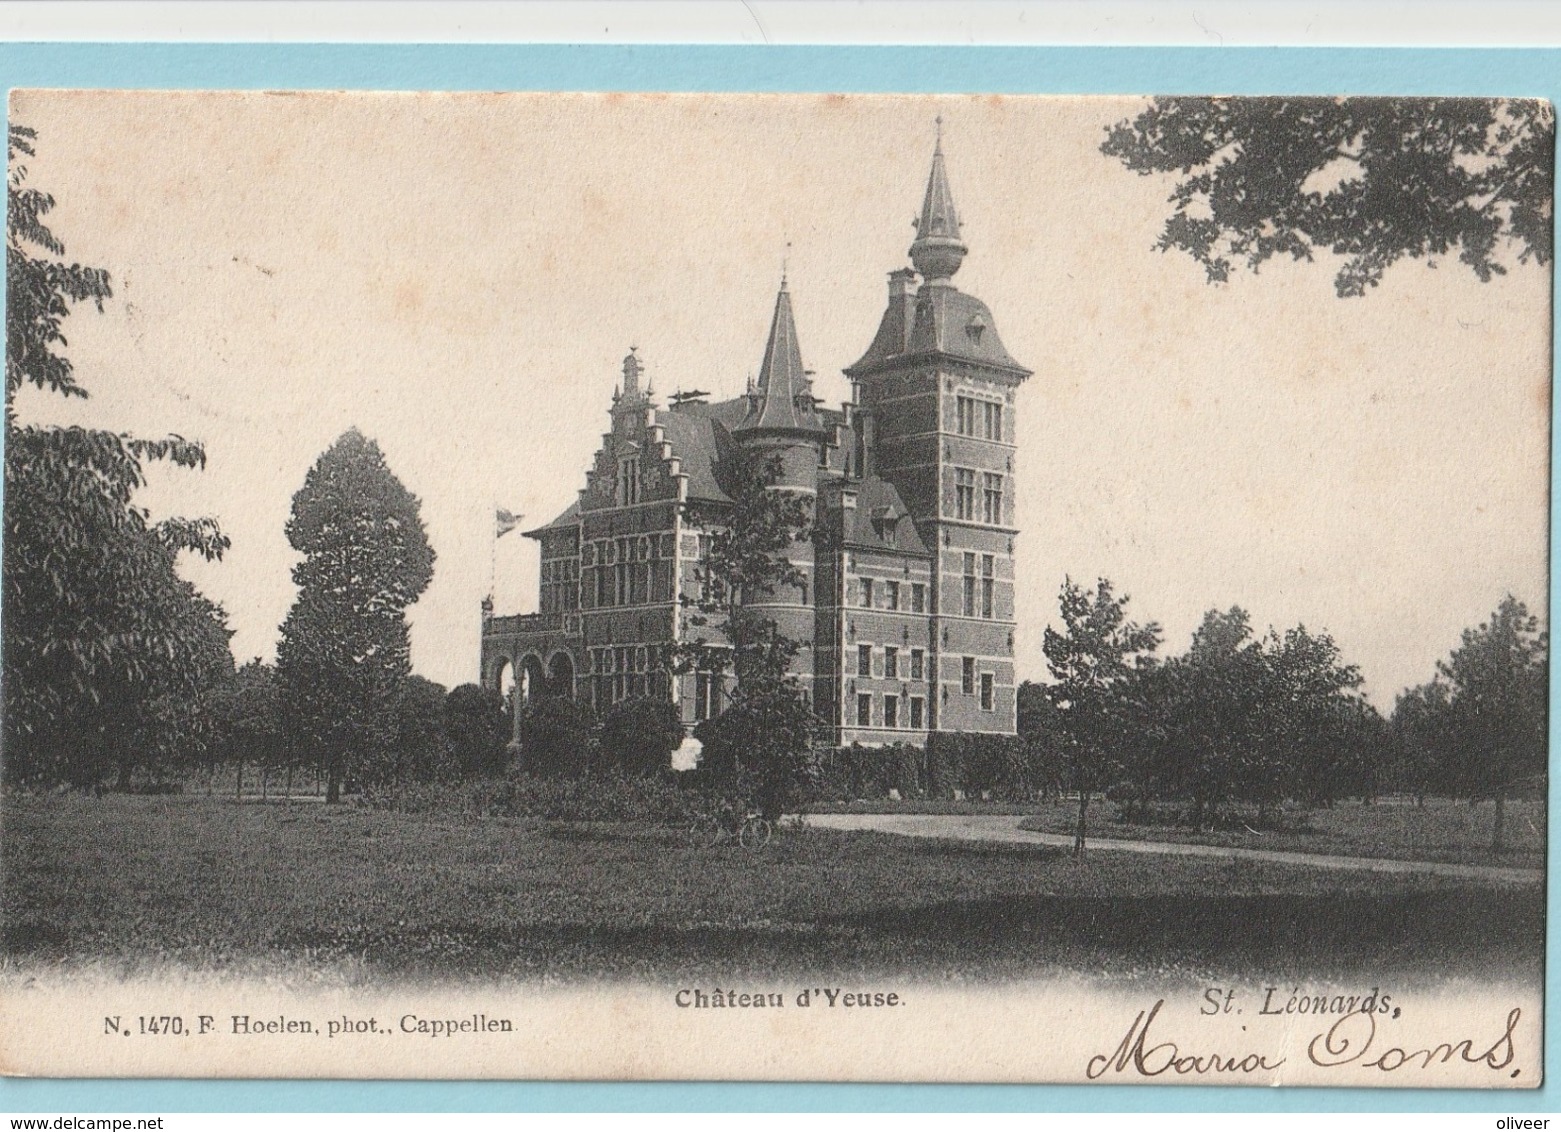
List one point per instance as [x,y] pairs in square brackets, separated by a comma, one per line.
[1352,1040]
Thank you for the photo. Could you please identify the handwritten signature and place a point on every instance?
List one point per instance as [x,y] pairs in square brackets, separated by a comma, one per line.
[1348,1041]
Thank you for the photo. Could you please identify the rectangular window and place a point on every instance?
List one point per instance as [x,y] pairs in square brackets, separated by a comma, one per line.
[867,593]
[918,712]
[891,711]
[968,675]
[891,663]
[707,695]
[988,585]
[965,416]
[986,691]
[969,606]
[864,660]
[918,598]
[964,493]
[891,595]
[918,664]
[992,419]
[992,499]
[864,711]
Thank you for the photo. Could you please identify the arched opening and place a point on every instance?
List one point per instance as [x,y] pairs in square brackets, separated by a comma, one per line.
[504,678]
[532,680]
[562,676]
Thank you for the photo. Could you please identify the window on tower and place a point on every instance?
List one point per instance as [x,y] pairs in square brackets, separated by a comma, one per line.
[965,415]
[992,420]
[992,499]
[969,607]
[988,585]
[964,493]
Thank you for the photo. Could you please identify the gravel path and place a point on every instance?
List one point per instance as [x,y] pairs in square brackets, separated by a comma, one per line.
[978,827]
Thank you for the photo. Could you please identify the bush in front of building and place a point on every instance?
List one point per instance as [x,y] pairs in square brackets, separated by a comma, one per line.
[477,726]
[557,738]
[859,772]
[973,765]
[759,751]
[639,735]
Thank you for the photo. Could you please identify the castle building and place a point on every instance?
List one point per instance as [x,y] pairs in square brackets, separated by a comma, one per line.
[906,604]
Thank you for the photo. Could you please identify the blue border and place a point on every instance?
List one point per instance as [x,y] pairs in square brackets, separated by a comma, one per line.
[1015,70]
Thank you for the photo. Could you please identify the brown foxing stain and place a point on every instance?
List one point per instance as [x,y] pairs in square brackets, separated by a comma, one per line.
[408,297]
[1539,394]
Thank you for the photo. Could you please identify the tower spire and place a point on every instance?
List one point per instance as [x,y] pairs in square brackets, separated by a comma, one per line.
[937,250]
[783,382]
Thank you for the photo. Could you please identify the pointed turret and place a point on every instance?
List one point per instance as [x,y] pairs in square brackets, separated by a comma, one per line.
[938,251]
[783,397]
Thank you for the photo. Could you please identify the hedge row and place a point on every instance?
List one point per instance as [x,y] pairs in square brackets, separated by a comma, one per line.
[953,764]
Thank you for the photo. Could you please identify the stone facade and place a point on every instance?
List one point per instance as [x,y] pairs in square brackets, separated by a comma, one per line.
[907,608]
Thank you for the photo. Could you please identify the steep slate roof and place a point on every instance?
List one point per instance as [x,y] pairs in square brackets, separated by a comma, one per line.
[876,501]
[570,518]
[783,383]
[951,322]
[938,217]
[698,440]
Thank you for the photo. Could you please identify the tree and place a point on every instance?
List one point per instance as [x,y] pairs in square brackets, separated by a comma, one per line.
[1496,714]
[760,747]
[248,709]
[477,727]
[1419,743]
[1209,706]
[344,656]
[1372,180]
[109,656]
[640,734]
[1095,664]
[421,752]
[1045,739]
[1308,721]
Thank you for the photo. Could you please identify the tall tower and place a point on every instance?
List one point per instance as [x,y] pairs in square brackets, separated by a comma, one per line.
[783,422]
[936,396]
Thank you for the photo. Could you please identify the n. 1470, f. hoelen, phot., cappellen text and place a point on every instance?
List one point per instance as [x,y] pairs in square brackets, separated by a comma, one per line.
[766,586]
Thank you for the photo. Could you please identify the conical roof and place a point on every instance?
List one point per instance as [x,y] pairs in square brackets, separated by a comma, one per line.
[937,250]
[784,399]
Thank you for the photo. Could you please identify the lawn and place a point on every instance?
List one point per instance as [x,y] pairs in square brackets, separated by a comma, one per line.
[1442,830]
[207,883]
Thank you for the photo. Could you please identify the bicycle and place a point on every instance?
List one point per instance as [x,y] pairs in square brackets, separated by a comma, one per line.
[751,830]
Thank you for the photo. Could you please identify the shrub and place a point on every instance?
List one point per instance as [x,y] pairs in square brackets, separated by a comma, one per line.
[979,764]
[639,735]
[857,771]
[557,738]
[477,727]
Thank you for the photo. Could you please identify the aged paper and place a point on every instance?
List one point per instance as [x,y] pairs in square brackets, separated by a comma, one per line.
[464,741]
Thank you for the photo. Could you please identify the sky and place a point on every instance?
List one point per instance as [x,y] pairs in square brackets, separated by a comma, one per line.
[460,276]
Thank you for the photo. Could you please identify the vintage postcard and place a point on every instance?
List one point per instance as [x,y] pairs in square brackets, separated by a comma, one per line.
[851,588]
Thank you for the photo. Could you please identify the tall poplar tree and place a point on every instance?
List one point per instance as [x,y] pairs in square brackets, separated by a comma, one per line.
[344,657]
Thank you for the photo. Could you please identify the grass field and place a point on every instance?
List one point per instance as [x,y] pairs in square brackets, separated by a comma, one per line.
[1440,831]
[132,881]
